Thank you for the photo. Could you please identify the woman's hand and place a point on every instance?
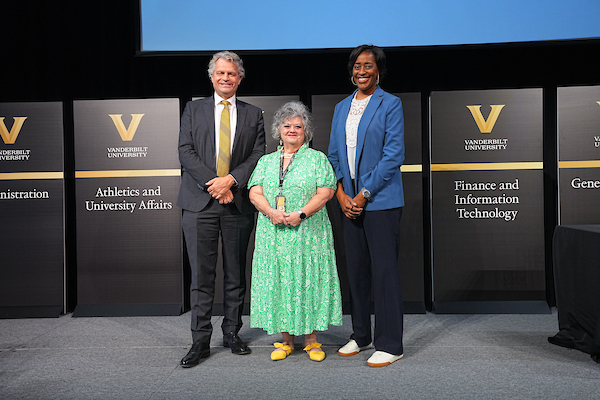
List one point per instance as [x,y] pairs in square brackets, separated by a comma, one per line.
[292,219]
[278,217]
[350,207]
[359,200]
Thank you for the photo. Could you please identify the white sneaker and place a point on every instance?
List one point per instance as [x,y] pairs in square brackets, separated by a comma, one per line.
[351,348]
[381,359]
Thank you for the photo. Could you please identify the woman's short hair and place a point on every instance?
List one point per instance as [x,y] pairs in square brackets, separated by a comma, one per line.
[291,110]
[379,55]
[229,56]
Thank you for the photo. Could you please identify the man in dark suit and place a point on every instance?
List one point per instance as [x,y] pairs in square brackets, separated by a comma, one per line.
[220,141]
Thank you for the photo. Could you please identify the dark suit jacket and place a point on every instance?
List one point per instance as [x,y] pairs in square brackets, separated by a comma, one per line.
[379,150]
[197,152]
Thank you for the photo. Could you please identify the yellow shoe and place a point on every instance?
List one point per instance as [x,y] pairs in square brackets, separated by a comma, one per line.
[315,355]
[281,352]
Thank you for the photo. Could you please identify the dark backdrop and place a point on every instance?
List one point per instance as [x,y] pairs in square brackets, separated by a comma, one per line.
[57,50]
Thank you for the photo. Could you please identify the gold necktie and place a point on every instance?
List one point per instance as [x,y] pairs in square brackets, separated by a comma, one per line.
[224,142]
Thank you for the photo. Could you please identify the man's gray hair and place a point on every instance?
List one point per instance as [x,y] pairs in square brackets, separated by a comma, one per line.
[289,111]
[229,56]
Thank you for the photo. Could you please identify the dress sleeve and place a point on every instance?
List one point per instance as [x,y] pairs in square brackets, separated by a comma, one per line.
[258,176]
[325,175]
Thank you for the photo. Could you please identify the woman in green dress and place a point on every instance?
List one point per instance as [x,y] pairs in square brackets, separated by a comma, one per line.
[295,286]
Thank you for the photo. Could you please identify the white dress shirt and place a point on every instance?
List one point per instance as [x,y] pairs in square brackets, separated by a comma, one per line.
[232,122]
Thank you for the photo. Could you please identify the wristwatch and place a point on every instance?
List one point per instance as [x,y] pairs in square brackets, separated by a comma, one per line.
[302,214]
[366,194]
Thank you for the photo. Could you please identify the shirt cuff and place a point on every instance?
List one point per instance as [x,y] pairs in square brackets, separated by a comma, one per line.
[235,180]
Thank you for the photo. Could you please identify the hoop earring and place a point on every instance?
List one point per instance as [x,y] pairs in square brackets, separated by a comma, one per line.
[353,81]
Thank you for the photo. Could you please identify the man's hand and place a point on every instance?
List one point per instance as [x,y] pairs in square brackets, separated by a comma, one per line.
[220,187]
[227,198]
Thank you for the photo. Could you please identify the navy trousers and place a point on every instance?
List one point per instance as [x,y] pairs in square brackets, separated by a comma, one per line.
[371,243]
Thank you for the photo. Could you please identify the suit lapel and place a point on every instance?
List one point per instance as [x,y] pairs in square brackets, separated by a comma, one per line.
[365,121]
[241,119]
[209,114]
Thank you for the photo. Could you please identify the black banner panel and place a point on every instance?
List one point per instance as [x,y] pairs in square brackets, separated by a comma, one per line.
[268,104]
[487,201]
[411,260]
[579,154]
[129,241]
[32,270]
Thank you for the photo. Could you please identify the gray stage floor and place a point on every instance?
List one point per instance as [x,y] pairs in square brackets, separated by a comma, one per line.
[446,357]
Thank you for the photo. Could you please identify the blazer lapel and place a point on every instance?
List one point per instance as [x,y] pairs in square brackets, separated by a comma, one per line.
[365,121]
[342,148]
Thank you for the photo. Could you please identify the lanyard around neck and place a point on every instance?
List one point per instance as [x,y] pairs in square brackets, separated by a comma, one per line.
[282,172]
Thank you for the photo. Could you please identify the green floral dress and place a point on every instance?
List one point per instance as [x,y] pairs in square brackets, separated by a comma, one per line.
[295,286]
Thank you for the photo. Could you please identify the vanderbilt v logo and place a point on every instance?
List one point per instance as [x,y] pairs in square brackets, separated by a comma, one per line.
[486,126]
[11,138]
[126,133]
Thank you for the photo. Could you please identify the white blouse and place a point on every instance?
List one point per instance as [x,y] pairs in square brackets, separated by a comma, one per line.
[356,112]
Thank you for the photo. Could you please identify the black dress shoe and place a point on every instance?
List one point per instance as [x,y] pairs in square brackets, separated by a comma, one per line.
[236,344]
[198,351]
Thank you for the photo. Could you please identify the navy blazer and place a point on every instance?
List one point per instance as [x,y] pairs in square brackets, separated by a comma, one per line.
[198,158]
[379,150]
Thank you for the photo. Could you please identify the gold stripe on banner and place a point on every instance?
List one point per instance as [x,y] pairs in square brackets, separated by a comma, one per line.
[128,173]
[412,168]
[579,164]
[487,166]
[10,176]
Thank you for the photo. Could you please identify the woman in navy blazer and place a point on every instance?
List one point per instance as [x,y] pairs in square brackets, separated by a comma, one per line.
[366,150]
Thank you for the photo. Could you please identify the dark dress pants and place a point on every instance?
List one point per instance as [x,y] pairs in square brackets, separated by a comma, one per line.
[371,243]
[202,231]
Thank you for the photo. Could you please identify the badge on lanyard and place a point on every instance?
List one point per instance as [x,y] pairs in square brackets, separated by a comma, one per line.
[280,203]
